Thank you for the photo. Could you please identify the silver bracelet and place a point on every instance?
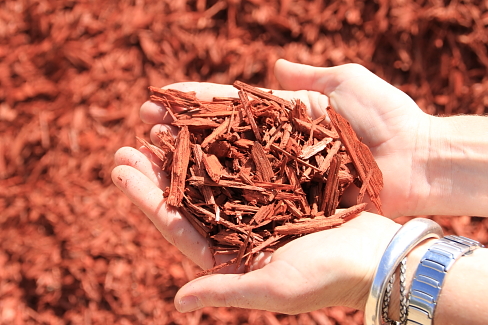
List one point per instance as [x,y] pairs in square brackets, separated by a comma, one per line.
[429,277]
[406,238]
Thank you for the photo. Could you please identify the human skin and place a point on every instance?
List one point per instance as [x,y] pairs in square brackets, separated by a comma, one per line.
[430,165]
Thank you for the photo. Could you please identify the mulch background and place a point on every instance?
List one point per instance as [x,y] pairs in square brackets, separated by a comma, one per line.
[73,74]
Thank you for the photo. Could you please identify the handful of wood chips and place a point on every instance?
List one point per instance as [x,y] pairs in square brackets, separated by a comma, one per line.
[254,172]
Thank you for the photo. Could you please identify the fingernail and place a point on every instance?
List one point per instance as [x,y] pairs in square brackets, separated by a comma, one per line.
[189,303]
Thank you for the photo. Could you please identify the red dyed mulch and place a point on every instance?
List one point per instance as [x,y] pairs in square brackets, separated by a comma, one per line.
[73,249]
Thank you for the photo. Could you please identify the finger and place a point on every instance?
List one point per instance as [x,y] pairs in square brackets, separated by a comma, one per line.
[345,98]
[295,76]
[158,128]
[353,81]
[264,289]
[156,162]
[143,162]
[368,102]
[153,113]
[172,225]
[205,91]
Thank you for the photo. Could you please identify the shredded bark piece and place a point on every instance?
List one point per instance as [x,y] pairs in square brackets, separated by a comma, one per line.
[324,165]
[303,162]
[308,226]
[196,123]
[249,115]
[360,155]
[331,197]
[158,152]
[312,150]
[263,166]
[213,167]
[199,170]
[181,160]
[262,94]
[216,133]
[317,131]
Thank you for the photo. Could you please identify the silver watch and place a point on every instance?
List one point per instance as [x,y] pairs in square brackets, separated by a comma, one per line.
[427,283]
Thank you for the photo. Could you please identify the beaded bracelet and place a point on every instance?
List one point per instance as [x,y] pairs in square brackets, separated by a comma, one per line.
[403,296]
[406,238]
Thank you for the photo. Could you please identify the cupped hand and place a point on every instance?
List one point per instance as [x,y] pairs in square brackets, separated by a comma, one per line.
[329,268]
[138,176]
[385,118]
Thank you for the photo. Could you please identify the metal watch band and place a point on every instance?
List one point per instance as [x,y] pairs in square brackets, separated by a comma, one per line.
[428,279]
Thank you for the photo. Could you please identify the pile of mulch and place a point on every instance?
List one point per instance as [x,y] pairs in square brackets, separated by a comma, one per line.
[73,75]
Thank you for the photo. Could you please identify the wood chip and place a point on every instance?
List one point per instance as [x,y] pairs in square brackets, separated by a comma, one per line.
[181,160]
[361,156]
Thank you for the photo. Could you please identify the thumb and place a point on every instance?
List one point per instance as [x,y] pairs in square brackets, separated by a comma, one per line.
[363,98]
[351,82]
[295,76]
[351,89]
[257,289]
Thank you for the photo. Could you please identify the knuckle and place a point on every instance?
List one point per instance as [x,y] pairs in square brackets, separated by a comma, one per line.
[355,68]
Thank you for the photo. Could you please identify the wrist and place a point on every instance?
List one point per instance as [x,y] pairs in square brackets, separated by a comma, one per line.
[451,163]
[431,166]
[363,289]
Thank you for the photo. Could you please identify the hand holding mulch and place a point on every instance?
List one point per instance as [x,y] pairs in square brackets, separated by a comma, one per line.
[254,172]
[324,268]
